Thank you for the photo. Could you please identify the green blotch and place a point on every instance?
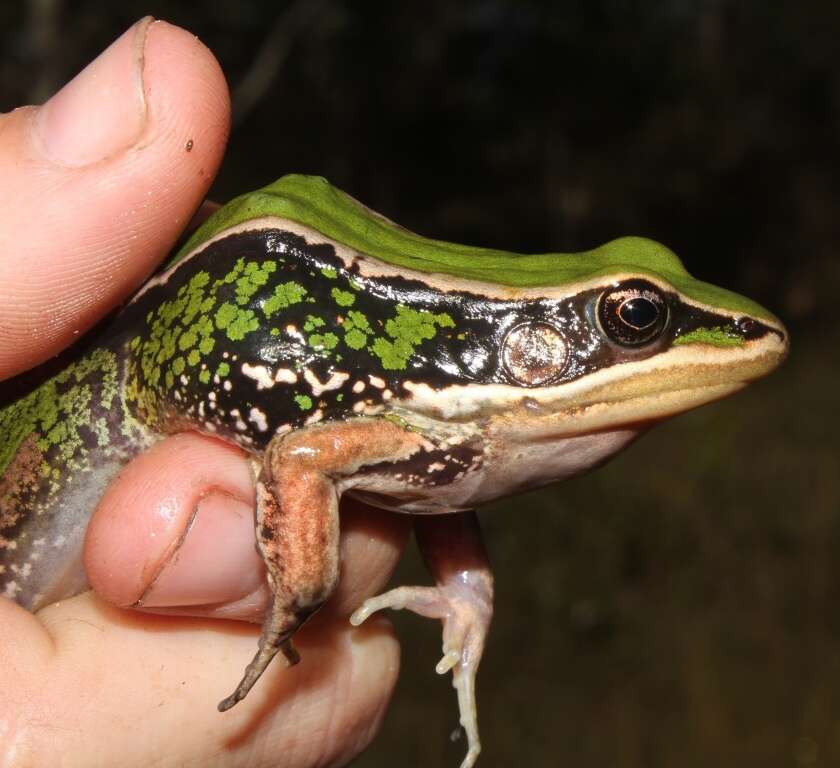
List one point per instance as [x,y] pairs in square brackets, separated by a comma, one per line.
[194,294]
[204,376]
[154,376]
[100,429]
[356,319]
[329,273]
[178,366]
[343,298]
[339,397]
[355,339]
[244,324]
[285,295]
[415,326]
[187,339]
[233,275]
[194,357]
[356,327]
[716,337]
[223,369]
[304,402]
[236,322]
[323,341]
[225,315]
[312,323]
[255,275]
[393,356]
[313,202]
[408,329]
[197,281]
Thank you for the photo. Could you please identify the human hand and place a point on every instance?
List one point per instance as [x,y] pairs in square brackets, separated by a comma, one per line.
[95,186]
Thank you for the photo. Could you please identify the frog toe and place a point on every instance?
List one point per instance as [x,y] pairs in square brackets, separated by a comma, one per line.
[465,608]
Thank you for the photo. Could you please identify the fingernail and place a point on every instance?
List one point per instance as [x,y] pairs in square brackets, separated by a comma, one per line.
[102,110]
[216,561]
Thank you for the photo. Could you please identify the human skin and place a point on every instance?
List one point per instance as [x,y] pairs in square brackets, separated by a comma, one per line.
[95,187]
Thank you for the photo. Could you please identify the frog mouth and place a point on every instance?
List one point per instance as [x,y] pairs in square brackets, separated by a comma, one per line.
[599,414]
[632,393]
[644,395]
[638,410]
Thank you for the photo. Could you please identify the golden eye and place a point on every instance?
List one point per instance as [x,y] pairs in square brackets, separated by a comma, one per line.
[633,313]
[534,353]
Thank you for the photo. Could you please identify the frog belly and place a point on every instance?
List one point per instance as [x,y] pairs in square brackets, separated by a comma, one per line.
[509,467]
[517,467]
[46,563]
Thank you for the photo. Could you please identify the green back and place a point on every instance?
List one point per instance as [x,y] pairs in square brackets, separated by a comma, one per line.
[315,203]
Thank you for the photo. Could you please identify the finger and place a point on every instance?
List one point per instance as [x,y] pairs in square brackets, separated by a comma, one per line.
[175,533]
[72,676]
[152,684]
[96,185]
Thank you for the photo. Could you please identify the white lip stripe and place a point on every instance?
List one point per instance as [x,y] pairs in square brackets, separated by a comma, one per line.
[464,401]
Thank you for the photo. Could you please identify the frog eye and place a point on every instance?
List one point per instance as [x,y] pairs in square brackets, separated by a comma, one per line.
[534,353]
[633,313]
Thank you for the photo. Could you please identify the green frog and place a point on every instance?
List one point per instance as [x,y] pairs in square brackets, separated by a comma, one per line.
[347,355]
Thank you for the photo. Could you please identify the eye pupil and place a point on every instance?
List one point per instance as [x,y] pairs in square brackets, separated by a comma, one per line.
[633,313]
[639,312]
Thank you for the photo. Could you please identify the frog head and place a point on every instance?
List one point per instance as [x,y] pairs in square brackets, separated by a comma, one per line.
[620,335]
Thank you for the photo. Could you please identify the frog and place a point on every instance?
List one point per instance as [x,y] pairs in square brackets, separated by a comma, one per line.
[347,355]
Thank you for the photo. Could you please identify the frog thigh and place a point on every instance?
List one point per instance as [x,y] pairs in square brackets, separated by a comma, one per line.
[297,522]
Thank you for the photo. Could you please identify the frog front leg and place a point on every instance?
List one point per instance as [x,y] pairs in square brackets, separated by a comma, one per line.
[463,599]
[297,522]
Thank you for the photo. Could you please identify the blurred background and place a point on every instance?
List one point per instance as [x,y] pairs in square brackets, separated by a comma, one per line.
[681,606]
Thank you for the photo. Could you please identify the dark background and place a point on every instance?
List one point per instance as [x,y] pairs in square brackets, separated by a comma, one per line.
[680,607]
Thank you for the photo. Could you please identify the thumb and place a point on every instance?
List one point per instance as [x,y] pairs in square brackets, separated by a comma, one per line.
[98,182]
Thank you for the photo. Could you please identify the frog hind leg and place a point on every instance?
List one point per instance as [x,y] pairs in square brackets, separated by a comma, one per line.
[297,592]
[463,600]
[297,523]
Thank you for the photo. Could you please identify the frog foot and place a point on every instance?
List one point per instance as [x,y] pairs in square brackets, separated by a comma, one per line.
[464,605]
